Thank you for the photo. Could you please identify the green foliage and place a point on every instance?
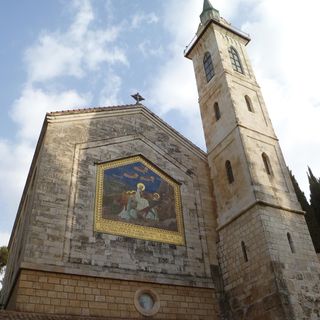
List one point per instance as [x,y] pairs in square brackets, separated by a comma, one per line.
[300,194]
[314,185]
[310,216]
[3,257]
[3,263]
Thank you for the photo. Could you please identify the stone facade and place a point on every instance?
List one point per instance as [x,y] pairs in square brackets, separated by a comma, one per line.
[274,282]
[60,199]
[56,293]
[247,252]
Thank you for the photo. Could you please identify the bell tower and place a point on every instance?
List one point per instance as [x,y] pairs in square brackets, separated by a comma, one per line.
[269,267]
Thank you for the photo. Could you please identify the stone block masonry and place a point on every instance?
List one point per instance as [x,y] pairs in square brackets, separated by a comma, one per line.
[57,217]
[56,293]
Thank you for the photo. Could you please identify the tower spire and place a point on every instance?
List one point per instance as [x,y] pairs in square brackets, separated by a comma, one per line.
[208,12]
[207,5]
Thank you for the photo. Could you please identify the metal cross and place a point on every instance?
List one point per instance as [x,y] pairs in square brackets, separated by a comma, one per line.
[137,97]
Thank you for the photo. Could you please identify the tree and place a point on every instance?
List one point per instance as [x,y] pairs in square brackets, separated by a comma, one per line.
[311,220]
[3,257]
[300,194]
[314,185]
[3,263]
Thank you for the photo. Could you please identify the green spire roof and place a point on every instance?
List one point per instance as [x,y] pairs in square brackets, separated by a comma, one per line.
[208,12]
[207,5]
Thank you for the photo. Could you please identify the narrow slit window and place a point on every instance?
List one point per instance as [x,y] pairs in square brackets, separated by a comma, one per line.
[267,164]
[217,111]
[208,66]
[244,251]
[291,243]
[235,60]
[249,103]
[229,172]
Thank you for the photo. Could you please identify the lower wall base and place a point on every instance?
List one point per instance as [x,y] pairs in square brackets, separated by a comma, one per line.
[55,293]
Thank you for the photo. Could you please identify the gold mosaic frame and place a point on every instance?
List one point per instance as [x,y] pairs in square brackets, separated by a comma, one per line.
[133,230]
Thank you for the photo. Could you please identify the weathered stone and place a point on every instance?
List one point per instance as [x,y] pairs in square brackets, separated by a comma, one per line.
[247,252]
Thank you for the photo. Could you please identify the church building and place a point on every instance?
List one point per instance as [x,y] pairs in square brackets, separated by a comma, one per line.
[122,217]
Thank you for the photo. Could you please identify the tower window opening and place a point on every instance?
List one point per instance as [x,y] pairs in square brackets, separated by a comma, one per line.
[267,164]
[244,251]
[208,66]
[291,243]
[235,60]
[217,111]
[249,103]
[229,172]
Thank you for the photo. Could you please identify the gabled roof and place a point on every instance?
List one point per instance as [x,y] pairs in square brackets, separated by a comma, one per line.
[97,112]
[94,109]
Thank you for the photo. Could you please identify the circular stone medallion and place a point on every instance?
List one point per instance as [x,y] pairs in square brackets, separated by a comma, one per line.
[147,301]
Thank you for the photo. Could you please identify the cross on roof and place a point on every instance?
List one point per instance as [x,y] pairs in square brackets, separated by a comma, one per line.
[137,97]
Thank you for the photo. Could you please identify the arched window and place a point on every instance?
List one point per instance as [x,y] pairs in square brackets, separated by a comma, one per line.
[244,251]
[217,111]
[291,243]
[267,164]
[235,60]
[249,103]
[229,171]
[208,66]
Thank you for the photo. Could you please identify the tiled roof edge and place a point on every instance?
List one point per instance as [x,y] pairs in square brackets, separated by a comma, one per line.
[94,109]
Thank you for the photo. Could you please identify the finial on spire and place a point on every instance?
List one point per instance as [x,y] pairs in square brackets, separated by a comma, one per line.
[208,12]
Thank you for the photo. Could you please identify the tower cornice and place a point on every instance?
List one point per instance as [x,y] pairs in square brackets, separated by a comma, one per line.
[195,40]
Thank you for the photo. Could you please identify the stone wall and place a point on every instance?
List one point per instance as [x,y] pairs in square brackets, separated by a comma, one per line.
[60,232]
[275,281]
[56,293]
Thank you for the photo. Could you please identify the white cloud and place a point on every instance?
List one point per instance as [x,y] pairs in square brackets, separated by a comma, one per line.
[4,238]
[182,19]
[51,58]
[174,88]
[284,51]
[143,18]
[14,164]
[30,109]
[79,49]
[84,16]
[14,161]
[109,95]
[147,49]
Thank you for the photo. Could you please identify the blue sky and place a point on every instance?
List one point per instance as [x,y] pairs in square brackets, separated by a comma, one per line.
[61,54]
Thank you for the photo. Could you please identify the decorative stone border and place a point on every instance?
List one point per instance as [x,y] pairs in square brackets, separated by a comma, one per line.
[153,295]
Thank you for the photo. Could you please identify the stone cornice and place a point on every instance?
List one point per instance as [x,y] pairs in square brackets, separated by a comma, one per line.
[141,276]
[257,203]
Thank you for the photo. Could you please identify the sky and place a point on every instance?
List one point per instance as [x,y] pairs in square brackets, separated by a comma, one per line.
[66,54]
